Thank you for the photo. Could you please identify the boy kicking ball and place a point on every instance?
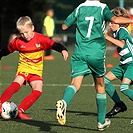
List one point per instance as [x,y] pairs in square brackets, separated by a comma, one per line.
[31,46]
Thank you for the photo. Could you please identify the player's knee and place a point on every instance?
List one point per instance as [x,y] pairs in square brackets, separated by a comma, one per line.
[77,85]
[99,84]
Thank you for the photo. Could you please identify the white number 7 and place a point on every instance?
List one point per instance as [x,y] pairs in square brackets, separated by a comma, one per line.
[91,19]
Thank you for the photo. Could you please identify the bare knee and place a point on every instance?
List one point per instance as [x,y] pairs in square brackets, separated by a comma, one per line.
[99,85]
[76,82]
[37,85]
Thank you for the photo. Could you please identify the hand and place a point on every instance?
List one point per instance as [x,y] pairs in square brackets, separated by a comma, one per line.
[65,54]
[64,27]
[105,33]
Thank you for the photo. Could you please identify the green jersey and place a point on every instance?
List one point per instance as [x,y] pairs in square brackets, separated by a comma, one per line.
[90,18]
[126,53]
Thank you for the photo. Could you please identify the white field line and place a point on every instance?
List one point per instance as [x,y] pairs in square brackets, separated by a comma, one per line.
[84,85]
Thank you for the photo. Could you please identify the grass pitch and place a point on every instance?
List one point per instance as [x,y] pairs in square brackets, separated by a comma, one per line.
[82,111]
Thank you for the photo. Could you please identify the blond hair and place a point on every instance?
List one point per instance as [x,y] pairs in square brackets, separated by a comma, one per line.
[22,21]
[121,12]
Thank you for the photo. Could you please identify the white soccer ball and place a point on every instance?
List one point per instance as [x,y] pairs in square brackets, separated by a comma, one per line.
[9,110]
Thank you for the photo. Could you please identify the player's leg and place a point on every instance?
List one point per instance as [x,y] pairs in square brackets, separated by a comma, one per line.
[111,91]
[96,64]
[13,88]
[127,80]
[72,89]
[124,88]
[68,95]
[101,104]
[78,68]
[36,84]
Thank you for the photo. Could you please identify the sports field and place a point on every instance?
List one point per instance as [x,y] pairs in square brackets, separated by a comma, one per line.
[81,113]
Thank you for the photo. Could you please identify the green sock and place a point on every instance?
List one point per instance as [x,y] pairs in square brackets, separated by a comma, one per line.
[124,88]
[101,106]
[69,94]
[111,91]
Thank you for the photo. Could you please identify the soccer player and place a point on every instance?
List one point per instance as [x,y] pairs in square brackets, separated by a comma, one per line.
[89,55]
[31,46]
[124,72]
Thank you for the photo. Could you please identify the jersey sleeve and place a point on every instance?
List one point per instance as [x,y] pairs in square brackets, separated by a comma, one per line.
[123,34]
[71,18]
[47,43]
[107,14]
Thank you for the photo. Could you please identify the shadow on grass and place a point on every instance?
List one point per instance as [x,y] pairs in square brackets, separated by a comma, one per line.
[92,114]
[121,117]
[77,112]
[47,126]
[43,126]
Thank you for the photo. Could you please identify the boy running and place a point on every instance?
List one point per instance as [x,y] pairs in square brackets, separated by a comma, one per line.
[124,72]
[89,55]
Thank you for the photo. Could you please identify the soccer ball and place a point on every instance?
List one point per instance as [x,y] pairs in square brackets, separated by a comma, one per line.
[9,110]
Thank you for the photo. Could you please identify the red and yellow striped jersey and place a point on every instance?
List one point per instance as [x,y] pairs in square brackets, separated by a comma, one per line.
[31,53]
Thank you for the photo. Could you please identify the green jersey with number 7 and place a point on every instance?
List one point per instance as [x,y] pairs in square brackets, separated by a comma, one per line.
[90,17]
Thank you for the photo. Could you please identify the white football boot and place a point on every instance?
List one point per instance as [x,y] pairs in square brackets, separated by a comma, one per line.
[102,127]
[61,112]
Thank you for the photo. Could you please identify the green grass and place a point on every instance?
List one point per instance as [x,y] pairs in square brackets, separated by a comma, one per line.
[81,113]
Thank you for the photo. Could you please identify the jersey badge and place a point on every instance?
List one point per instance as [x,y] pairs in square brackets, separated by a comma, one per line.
[38,45]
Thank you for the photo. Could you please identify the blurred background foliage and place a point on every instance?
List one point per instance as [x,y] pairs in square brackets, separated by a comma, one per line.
[11,10]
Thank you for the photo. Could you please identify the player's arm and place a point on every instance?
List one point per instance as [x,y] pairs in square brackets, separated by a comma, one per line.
[119,43]
[109,16]
[69,20]
[60,48]
[121,20]
[4,52]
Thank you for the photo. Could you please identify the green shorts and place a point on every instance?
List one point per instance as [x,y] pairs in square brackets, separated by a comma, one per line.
[86,65]
[123,72]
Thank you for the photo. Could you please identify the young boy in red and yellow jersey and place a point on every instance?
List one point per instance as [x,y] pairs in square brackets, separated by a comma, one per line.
[31,46]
